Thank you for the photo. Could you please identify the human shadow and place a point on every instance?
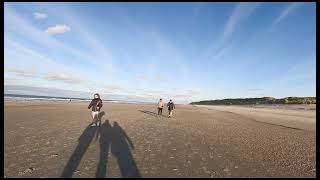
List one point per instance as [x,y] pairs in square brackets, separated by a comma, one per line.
[120,148]
[100,115]
[84,142]
[105,132]
[150,113]
[114,138]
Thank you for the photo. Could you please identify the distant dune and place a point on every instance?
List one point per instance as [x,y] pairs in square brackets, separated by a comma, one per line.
[263,100]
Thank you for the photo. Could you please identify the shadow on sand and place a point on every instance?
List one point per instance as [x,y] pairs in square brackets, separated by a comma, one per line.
[151,113]
[83,144]
[105,133]
[110,137]
[120,148]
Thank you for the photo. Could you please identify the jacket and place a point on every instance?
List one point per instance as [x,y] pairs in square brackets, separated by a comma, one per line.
[160,104]
[96,104]
[171,106]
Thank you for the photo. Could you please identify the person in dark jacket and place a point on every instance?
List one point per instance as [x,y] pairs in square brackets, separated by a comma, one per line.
[171,107]
[95,104]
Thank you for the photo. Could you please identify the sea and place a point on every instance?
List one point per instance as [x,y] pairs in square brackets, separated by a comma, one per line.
[22,97]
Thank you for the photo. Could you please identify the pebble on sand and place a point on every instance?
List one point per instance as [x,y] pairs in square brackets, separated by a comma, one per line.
[54,155]
[77,171]
[226,169]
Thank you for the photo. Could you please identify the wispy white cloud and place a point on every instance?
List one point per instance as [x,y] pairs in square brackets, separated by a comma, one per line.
[287,11]
[22,72]
[39,66]
[16,23]
[50,77]
[99,57]
[64,78]
[242,12]
[170,53]
[44,91]
[196,9]
[161,49]
[143,77]
[193,92]
[186,96]
[300,72]
[10,80]
[117,89]
[114,87]
[58,29]
[254,89]
[183,96]
[100,53]
[40,16]
[34,57]
[223,51]
[157,78]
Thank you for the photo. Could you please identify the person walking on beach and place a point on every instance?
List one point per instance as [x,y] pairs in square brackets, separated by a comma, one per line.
[160,107]
[171,107]
[96,104]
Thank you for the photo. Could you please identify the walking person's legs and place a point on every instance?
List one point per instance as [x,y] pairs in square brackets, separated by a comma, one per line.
[94,118]
[161,111]
[158,111]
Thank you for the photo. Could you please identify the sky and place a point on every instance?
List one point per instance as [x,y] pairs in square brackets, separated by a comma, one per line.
[146,51]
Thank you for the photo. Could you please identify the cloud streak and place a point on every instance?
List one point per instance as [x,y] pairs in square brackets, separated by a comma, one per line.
[16,23]
[50,77]
[242,12]
[36,90]
[294,73]
[47,69]
[58,29]
[100,54]
[64,78]
[151,78]
[21,72]
[287,11]
[40,16]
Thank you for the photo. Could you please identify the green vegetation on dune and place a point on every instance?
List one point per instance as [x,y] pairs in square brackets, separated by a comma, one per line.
[263,100]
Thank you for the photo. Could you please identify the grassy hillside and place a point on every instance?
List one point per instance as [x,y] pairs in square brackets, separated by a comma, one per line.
[263,100]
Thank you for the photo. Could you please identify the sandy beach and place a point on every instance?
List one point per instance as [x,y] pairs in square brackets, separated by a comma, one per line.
[52,139]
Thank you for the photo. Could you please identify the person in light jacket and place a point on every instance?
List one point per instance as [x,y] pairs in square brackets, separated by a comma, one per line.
[160,107]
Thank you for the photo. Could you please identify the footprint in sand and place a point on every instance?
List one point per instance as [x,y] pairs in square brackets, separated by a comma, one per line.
[54,155]
[29,170]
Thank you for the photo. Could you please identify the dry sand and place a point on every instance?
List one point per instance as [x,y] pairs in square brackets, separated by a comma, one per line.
[45,139]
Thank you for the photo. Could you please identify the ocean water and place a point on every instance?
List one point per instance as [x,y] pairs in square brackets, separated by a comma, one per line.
[19,97]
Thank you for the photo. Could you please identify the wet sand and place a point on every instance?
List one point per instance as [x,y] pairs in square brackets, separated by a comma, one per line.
[52,139]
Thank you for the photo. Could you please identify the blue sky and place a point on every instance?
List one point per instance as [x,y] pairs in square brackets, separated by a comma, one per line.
[144,51]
